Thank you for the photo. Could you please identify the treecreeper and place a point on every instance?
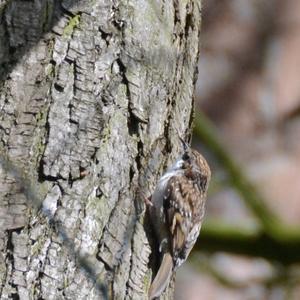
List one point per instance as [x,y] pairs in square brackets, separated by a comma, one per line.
[176,211]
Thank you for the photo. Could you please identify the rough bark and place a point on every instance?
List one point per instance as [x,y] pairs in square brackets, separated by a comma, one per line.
[93,97]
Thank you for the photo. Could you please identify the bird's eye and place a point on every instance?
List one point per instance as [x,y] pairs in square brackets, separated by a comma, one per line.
[185,156]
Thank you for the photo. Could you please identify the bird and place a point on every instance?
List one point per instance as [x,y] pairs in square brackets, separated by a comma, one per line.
[177,211]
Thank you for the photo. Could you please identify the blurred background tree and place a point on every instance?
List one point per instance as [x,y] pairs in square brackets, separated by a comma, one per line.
[248,87]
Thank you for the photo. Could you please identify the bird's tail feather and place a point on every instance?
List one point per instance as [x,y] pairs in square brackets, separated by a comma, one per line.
[162,277]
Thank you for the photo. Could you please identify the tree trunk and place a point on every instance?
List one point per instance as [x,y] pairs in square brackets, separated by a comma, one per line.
[94,95]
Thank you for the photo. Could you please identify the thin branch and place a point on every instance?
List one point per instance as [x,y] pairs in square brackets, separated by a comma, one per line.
[272,227]
[217,236]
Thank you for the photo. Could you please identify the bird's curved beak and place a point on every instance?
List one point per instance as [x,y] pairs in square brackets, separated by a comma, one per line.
[185,146]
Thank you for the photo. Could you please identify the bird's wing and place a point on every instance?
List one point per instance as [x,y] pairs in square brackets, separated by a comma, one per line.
[183,214]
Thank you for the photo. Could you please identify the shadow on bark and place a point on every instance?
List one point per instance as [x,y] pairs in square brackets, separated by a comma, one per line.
[43,16]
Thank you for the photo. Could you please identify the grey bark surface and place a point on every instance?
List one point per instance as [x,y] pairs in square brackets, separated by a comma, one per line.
[93,96]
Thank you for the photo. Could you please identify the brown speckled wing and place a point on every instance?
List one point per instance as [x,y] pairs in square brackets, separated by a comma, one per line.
[184,208]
